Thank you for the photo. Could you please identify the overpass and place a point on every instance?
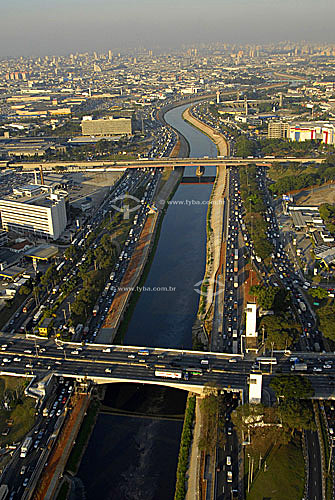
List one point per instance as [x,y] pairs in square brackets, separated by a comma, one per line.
[109,165]
[36,357]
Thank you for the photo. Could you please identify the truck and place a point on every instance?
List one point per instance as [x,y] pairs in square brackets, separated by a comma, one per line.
[302,306]
[169,373]
[236,254]
[234,334]
[235,266]
[235,281]
[299,367]
[235,348]
[26,446]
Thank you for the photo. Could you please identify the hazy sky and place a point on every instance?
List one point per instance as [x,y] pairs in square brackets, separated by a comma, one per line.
[63,26]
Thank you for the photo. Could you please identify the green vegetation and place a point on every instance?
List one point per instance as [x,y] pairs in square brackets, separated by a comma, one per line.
[284,147]
[321,174]
[326,447]
[281,330]
[282,474]
[245,147]
[327,213]
[213,426]
[17,410]
[326,315]
[83,437]
[184,450]
[294,411]
[270,297]
[318,293]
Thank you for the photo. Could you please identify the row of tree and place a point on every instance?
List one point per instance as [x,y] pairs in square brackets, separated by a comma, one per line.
[254,206]
[323,173]
[184,450]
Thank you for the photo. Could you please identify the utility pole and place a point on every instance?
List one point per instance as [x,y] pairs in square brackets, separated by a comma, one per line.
[249,469]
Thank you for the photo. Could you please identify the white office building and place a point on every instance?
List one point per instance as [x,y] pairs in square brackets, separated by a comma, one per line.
[43,215]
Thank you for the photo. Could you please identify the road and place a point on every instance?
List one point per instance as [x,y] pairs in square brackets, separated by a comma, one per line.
[315,470]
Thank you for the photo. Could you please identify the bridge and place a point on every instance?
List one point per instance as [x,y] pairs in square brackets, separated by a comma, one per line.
[102,364]
[106,165]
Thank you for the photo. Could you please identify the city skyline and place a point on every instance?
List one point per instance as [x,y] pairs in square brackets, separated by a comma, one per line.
[58,28]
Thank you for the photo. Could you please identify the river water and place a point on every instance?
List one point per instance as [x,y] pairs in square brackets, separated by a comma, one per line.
[134,457]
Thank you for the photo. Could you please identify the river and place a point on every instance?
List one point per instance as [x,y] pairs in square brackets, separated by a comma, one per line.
[135,457]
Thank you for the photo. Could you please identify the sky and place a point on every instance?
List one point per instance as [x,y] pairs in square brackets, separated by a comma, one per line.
[38,27]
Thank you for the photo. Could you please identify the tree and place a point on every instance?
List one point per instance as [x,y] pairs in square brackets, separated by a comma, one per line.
[292,387]
[326,316]
[70,252]
[297,415]
[318,293]
[24,290]
[280,330]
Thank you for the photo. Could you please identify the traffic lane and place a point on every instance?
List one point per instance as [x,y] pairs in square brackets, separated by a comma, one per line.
[314,486]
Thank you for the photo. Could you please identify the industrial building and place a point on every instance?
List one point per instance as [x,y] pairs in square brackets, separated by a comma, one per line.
[42,215]
[302,131]
[323,131]
[106,126]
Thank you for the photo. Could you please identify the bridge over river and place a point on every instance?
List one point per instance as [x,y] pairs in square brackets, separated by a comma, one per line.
[183,369]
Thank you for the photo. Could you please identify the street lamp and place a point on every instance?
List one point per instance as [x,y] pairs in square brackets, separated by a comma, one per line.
[272,344]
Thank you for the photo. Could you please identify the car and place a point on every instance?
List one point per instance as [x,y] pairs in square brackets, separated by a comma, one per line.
[131,356]
[232,360]
[25,482]
[23,469]
[317,369]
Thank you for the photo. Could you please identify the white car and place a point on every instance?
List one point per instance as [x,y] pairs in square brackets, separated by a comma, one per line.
[232,360]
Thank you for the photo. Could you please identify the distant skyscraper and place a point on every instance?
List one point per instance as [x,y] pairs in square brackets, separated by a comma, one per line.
[110,55]
[217,97]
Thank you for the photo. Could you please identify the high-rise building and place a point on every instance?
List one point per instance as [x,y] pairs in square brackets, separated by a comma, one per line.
[42,215]
[278,130]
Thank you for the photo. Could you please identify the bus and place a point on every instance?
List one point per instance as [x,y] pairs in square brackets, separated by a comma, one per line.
[194,371]
[144,352]
[266,361]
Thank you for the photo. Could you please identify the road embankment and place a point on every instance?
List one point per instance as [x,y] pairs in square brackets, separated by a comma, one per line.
[219,140]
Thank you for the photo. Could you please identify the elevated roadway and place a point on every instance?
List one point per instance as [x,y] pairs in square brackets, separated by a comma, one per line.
[107,165]
[114,364]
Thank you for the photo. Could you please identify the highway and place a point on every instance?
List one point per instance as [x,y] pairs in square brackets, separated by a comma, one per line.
[112,165]
[106,363]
